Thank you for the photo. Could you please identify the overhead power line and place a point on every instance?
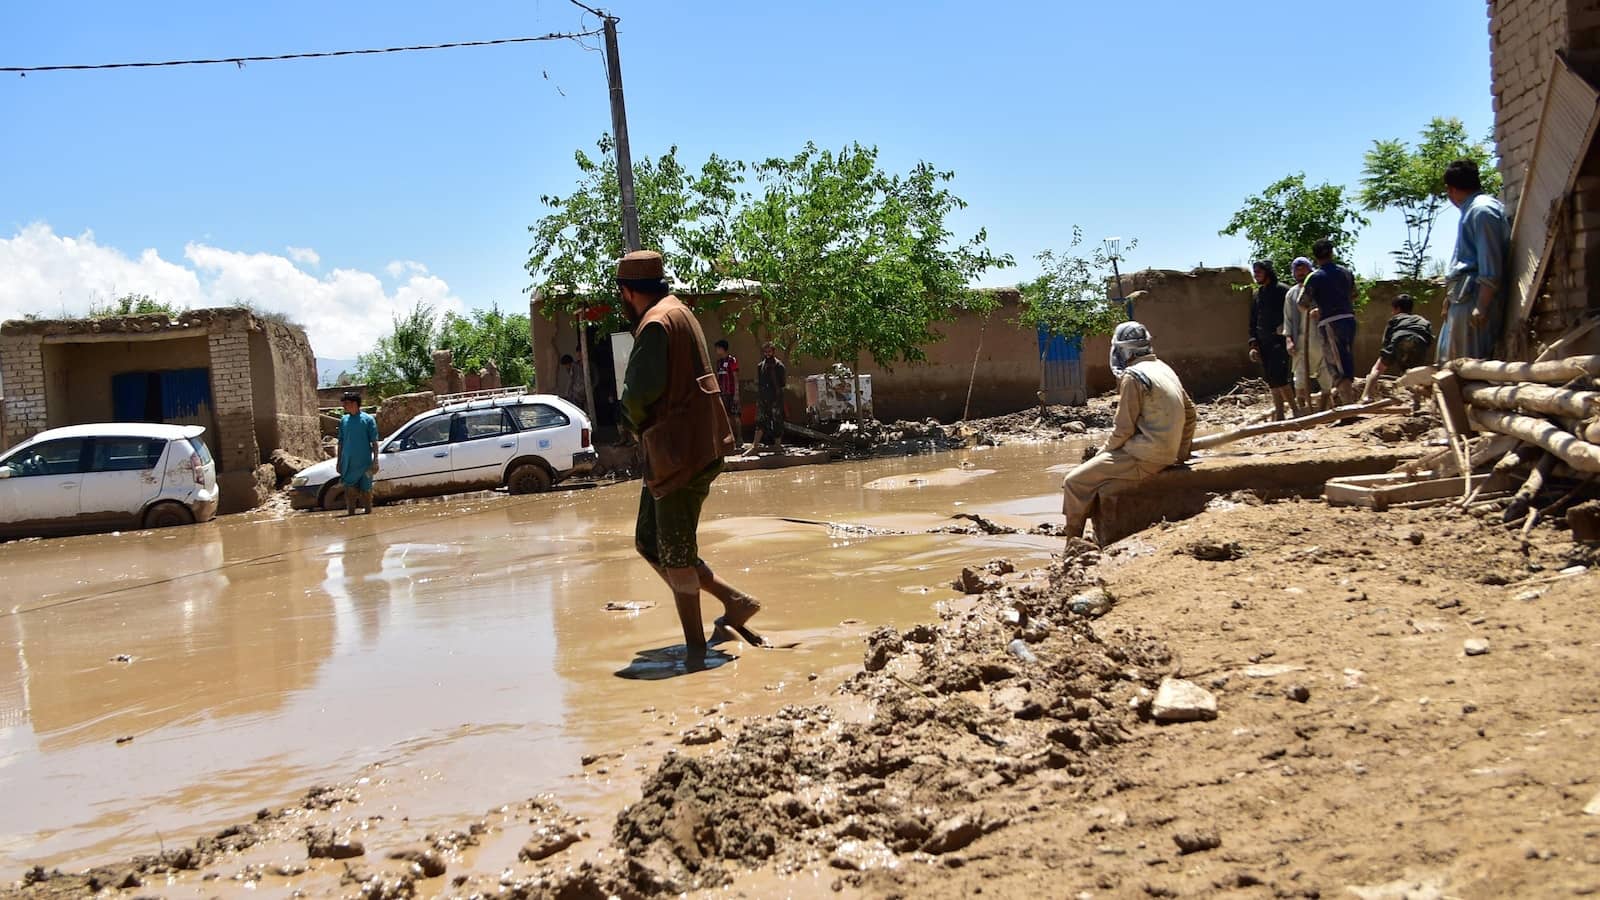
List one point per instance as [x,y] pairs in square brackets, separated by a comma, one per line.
[589,9]
[320,54]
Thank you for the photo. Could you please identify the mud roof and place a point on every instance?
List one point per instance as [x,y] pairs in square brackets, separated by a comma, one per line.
[146,324]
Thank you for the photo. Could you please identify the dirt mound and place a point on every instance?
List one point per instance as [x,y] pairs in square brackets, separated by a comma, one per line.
[1016,689]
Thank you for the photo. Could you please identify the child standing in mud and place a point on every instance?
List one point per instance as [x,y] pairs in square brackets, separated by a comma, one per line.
[358,454]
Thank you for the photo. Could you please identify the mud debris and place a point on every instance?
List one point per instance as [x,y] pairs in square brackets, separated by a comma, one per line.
[1182,701]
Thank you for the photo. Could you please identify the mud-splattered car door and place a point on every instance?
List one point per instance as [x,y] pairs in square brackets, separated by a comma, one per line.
[40,493]
[122,478]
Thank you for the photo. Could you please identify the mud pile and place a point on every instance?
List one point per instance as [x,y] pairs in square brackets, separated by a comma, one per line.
[1015,688]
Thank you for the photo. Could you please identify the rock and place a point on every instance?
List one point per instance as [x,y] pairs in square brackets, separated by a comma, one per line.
[952,834]
[863,856]
[1019,648]
[428,862]
[1592,808]
[883,644]
[325,843]
[1215,551]
[546,842]
[1074,428]
[1475,646]
[920,634]
[1182,701]
[700,735]
[975,581]
[1298,693]
[1584,520]
[1197,841]
[286,465]
[1093,603]
[400,409]
[1415,537]
[1269,670]
[1000,567]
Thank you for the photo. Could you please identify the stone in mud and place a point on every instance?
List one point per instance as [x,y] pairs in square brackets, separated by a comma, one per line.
[920,634]
[863,856]
[1215,551]
[1197,841]
[1093,603]
[1000,567]
[1298,693]
[1475,646]
[883,644]
[1020,649]
[425,861]
[1592,808]
[325,843]
[953,834]
[1182,701]
[975,581]
[547,841]
[1584,520]
[700,735]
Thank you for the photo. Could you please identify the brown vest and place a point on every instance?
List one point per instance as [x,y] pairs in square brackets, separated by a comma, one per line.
[689,427]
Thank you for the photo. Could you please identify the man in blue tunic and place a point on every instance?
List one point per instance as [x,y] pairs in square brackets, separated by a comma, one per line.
[358,454]
[1476,280]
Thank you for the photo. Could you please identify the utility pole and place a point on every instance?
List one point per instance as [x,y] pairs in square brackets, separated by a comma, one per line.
[619,130]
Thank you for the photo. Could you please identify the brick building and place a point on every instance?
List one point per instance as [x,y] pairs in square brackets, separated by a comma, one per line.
[1525,38]
[250,381]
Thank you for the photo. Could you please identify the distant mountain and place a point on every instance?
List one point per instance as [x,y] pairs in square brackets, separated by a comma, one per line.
[328,370]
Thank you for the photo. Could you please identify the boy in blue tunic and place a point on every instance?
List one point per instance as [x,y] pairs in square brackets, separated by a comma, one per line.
[358,454]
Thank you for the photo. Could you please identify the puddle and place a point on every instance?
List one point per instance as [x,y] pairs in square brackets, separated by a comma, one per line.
[460,654]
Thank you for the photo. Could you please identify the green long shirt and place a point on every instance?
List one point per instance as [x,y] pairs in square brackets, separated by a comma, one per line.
[646,378]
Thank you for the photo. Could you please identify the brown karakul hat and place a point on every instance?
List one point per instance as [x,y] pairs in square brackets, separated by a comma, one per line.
[641,265]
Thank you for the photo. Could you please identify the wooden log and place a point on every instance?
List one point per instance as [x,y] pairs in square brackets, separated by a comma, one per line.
[1532,398]
[1577,453]
[1522,502]
[1208,441]
[1555,371]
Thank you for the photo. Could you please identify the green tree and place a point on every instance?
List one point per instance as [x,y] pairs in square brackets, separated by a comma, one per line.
[1284,220]
[133,305]
[403,359]
[1410,179]
[846,260]
[577,243]
[1069,297]
[490,334]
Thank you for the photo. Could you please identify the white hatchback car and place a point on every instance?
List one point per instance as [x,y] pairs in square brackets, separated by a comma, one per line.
[523,442]
[107,476]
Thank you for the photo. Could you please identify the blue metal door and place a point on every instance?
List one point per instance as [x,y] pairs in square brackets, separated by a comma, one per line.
[1061,369]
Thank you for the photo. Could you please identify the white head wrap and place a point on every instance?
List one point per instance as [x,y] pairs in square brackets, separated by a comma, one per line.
[1129,342]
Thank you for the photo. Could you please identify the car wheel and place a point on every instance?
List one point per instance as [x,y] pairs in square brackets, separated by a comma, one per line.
[333,496]
[528,478]
[168,515]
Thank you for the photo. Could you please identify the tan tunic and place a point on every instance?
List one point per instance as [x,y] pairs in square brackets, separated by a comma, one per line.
[688,427]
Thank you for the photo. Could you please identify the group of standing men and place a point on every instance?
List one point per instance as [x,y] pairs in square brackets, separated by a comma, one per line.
[1308,329]
[772,378]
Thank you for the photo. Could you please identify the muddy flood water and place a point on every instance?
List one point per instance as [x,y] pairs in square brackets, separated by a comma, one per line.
[456,654]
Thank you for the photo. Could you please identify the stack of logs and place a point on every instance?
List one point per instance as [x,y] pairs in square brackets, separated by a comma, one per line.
[1540,426]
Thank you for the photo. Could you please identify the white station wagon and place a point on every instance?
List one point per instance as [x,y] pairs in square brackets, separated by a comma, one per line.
[523,442]
[107,476]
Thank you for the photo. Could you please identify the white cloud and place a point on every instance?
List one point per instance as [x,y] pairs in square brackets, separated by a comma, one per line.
[304,255]
[403,267]
[344,311]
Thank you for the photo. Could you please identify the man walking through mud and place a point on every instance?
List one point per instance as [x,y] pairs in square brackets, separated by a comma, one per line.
[1153,428]
[358,454]
[671,399]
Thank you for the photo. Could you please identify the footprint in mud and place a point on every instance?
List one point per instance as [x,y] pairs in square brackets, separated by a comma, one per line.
[671,662]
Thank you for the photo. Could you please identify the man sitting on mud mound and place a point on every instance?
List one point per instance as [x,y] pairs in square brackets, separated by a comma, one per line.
[671,399]
[1153,428]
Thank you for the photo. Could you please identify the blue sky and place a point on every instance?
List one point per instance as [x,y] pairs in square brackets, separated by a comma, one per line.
[414,176]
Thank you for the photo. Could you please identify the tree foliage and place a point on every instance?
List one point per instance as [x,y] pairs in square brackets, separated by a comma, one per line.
[577,243]
[133,305]
[1069,297]
[403,359]
[840,259]
[846,260]
[1286,218]
[1410,179]
[489,334]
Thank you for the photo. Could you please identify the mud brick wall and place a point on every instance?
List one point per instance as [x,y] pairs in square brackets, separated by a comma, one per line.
[1524,36]
[22,381]
[284,379]
[232,393]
